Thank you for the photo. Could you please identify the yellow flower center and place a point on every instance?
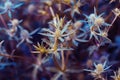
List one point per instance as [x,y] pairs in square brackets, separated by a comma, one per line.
[99,21]
[57,33]
[99,68]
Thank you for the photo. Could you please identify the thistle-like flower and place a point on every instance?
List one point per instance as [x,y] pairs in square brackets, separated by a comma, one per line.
[15,23]
[25,36]
[99,69]
[9,7]
[96,25]
[40,49]
[74,8]
[116,12]
[95,20]
[75,37]
[116,75]
[60,29]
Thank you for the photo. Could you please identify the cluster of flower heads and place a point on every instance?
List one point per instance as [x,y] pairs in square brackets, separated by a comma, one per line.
[61,33]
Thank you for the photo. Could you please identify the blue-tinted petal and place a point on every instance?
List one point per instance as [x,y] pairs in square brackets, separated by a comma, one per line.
[35,31]
[3,12]
[82,40]
[61,39]
[46,34]
[67,10]
[65,27]
[18,5]
[75,42]
[10,14]
[29,41]
[20,43]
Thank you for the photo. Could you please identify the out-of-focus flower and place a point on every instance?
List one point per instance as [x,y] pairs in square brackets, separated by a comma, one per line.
[116,75]
[48,2]
[9,7]
[44,13]
[95,20]
[31,8]
[14,25]
[96,26]
[11,32]
[99,69]
[59,3]
[74,8]
[113,1]
[25,36]
[75,37]
[116,11]
[92,49]
[15,22]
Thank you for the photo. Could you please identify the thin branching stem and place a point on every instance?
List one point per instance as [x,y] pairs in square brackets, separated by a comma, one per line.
[112,23]
[63,58]
[3,21]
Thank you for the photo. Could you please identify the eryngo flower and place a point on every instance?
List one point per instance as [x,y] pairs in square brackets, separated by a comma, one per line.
[116,75]
[14,25]
[13,28]
[59,29]
[9,7]
[25,36]
[99,69]
[95,20]
[40,49]
[74,8]
[96,26]
[15,22]
[54,48]
[116,11]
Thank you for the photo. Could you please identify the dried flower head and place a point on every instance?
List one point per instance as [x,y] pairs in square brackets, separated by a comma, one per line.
[9,7]
[59,29]
[116,75]
[74,8]
[99,69]
[116,12]
[25,36]
[15,23]
[96,20]
[40,49]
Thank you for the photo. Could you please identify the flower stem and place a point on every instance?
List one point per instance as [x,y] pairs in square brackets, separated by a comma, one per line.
[112,23]
[3,21]
[63,59]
